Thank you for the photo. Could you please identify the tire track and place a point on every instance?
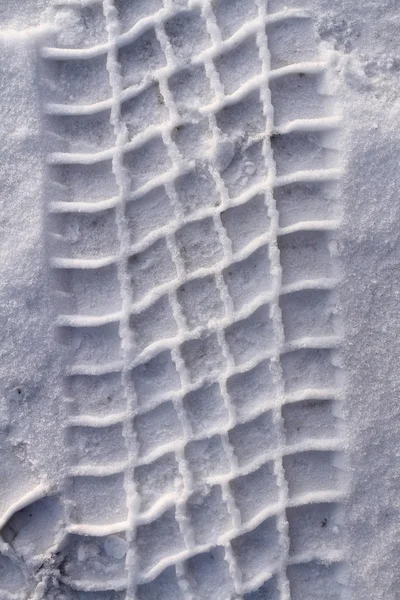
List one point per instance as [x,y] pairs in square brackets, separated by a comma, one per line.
[224,278]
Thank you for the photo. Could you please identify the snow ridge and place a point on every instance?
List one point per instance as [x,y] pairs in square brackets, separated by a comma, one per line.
[275,310]
[126,335]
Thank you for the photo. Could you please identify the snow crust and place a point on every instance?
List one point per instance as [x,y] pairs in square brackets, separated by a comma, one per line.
[361,40]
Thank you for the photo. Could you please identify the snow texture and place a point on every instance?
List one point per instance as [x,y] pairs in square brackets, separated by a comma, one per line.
[199,300]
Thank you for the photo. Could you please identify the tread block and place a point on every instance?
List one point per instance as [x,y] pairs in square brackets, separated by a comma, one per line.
[314,528]
[256,549]
[97,445]
[144,110]
[140,58]
[83,133]
[193,139]
[311,471]
[159,540]
[297,97]
[80,26]
[165,587]
[155,379]
[308,313]
[200,301]
[187,33]
[203,357]
[291,40]
[93,291]
[248,279]
[302,151]
[207,458]
[149,213]
[208,572]
[255,491]
[94,345]
[79,81]
[86,183]
[95,558]
[306,202]
[246,168]
[199,245]
[98,395]
[196,191]
[98,500]
[310,419]
[191,90]
[308,369]
[251,337]
[153,324]
[89,235]
[314,580]
[205,409]
[252,390]
[305,255]
[130,13]
[209,515]
[253,439]
[268,591]
[246,222]
[158,427]
[232,14]
[151,268]
[239,64]
[157,479]
[243,118]
[147,162]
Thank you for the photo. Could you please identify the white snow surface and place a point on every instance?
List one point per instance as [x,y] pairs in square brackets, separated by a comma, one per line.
[186,412]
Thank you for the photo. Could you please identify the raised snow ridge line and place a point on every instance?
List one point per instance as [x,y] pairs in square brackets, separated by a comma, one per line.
[194,249]
[219,46]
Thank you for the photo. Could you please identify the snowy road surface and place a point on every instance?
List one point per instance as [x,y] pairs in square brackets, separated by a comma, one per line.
[199,300]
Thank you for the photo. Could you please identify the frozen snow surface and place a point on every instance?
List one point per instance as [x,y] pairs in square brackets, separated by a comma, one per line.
[199,300]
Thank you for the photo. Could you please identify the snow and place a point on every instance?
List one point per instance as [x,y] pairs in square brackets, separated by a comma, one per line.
[364,33]
[29,370]
[217,407]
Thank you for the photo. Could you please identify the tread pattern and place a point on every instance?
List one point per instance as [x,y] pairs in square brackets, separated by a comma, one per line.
[193,244]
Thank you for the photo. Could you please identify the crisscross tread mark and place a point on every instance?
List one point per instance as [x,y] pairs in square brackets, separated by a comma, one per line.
[217,375]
